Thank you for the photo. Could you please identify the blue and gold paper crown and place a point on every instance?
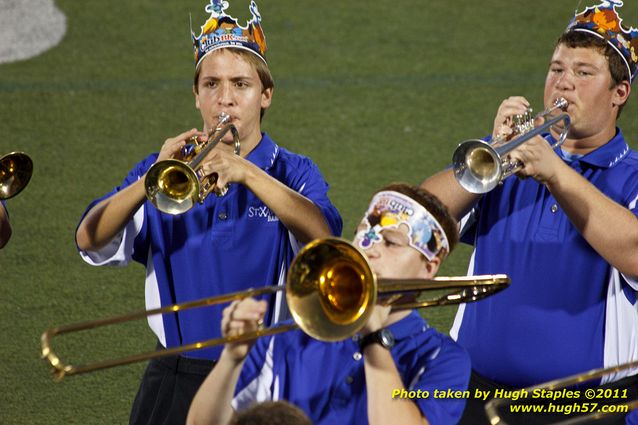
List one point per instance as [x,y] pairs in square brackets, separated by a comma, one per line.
[221,30]
[603,21]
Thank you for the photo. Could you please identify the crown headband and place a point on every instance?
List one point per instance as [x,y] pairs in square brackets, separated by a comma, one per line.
[389,209]
[221,30]
[603,21]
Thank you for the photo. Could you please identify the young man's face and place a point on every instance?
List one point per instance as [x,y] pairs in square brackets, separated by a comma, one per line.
[582,77]
[229,83]
[393,257]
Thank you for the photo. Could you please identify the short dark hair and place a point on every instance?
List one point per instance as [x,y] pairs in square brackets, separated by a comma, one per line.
[278,412]
[267,81]
[434,207]
[617,66]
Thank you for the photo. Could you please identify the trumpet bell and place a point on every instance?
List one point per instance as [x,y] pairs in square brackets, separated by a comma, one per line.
[480,166]
[172,186]
[16,169]
[331,289]
[477,167]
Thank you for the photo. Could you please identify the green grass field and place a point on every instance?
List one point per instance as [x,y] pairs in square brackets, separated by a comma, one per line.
[374,92]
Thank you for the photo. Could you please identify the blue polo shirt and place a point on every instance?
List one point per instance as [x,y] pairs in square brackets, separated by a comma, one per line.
[567,310]
[227,244]
[327,379]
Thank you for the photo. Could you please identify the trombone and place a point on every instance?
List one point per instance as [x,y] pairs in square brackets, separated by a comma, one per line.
[16,169]
[492,408]
[174,186]
[480,166]
[331,291]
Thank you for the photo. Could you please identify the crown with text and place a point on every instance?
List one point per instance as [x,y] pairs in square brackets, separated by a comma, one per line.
[221,30]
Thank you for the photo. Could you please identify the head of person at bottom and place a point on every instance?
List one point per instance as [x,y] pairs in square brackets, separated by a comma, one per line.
[278,412]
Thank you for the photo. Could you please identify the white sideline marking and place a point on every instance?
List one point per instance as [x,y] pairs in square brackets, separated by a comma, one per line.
[29,28]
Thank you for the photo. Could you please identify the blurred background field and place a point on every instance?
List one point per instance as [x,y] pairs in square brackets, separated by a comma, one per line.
[374,92]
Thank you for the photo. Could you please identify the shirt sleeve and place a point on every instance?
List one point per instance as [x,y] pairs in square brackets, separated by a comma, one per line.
[257,379]
[468,227]
[633,207]
[446,369]
[308,181]
[120,251]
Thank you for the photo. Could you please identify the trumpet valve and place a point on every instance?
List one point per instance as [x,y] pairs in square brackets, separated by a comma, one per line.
[190,149]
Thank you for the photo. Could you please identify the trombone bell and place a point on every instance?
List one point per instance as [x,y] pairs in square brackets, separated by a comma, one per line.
[331,289]
[16,169]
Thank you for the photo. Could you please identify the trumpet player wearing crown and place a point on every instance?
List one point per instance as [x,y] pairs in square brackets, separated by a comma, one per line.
[275,202]
[386,375]
[566,233]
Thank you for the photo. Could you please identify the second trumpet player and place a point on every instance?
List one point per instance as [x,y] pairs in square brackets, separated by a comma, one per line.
[566,232]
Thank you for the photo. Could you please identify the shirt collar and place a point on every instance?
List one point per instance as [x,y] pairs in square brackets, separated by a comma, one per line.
[408,326]
[265,153]
[609,154]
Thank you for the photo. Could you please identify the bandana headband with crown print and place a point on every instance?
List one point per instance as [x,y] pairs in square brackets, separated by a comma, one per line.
[389,209]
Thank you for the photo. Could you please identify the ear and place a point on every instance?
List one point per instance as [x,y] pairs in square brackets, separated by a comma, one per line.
[196,97]
[621,93]
[430,268]
[266,98]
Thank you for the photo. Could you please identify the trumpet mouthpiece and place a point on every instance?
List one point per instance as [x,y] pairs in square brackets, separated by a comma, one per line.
[223,118]
[561,103]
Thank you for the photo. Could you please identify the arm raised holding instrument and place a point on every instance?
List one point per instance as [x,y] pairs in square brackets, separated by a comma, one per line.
[238,318]
[105,220]
[298,213]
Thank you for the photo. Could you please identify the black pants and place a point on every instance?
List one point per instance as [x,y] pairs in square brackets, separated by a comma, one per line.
[167,389]
[474,413]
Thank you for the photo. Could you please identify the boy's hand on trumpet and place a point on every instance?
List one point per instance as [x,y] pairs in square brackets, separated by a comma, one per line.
[172,146]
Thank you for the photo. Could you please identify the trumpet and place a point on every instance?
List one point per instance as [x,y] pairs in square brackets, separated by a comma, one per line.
[494,406]
[16,169]
[174,186]
[480,166]
[331,291]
